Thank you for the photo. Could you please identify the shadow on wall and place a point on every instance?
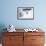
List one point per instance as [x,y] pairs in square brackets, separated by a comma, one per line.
[2,26]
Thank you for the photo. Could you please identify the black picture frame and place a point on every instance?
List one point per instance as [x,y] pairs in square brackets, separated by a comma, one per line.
[25,13]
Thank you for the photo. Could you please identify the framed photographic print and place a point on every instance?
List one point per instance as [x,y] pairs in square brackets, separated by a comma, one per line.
[25,13]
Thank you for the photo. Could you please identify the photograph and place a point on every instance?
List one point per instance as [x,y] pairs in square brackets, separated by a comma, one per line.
[25,13]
